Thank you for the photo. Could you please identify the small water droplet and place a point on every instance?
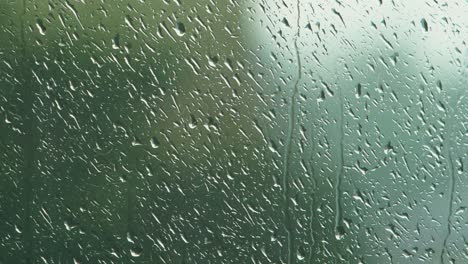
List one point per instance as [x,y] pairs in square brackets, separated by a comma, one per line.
[339,232]
[424,24]
[136,252]
[193,122]
[180,29]
[40,26]
[116,42]
[154,143]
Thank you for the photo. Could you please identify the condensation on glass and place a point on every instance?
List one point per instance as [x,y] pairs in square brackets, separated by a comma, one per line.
[233,132]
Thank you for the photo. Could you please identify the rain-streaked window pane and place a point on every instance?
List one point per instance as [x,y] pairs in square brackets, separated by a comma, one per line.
[241,131]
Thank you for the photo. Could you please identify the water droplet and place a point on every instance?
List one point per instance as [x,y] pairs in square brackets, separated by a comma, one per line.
[136,252]
[180,29]
[40,26]
[154,143]
[424,24]
[116,42]
[339,232]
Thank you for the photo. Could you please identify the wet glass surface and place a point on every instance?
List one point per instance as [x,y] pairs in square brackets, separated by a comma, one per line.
[233,132]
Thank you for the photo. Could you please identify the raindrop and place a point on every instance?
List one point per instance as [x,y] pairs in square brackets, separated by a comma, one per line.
[180,29]
[424,24]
